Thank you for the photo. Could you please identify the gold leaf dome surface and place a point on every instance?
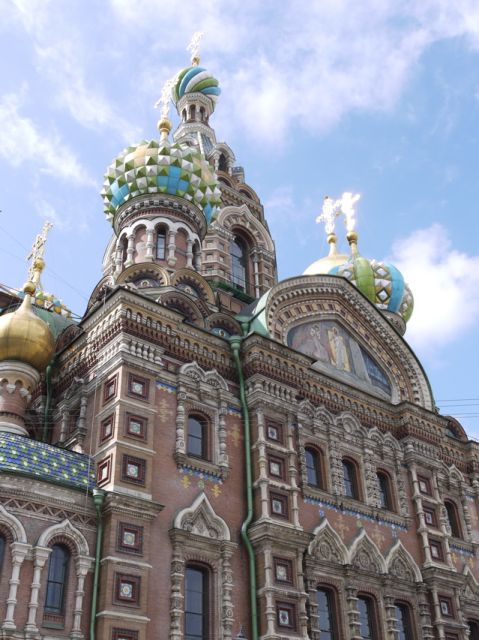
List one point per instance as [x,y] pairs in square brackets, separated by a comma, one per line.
[25,337]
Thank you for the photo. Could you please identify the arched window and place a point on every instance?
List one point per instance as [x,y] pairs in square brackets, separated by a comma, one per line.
[192,112]
[184,115]
[403,621]
[197,440]
[385,495]
[453,518]
[57,579]
[313,467]
[222,164]
[327,623]
[202,114]
[350,479]
[197,605]
[238,263]
[161,244]
[473,630]
[124,249]
[367,622]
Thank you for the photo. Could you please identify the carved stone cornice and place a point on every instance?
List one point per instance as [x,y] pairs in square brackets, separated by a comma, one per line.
[120,503]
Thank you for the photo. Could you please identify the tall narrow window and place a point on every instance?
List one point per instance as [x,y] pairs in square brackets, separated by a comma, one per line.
[403,621]
[161,244]
[222,165]
[366,618]
[326,614]
[350,480]
[384,485]
[57,579]
[238,263]
[313,468]
[453,518]
[196,604]
[473,630]
[197,441]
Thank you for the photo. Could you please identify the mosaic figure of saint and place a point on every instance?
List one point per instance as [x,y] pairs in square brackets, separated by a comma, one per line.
[340,356]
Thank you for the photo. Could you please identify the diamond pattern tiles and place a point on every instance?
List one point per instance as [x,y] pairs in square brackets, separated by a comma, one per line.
[45,462]
[380,282]
[154,167]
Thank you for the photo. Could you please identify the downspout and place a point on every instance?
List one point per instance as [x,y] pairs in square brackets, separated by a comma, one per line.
[235,344]
[48,401]
[98,498]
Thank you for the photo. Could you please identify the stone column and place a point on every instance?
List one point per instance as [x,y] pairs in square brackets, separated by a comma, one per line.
[149,245]
[18,380]
[189,253]
[223,455]
[227,582]
[422,529]
[130,250]
[83,564]
[353,614]
[292,473]
[40,556]
[19,551]
[390,611]
[256,275]
[262,464]
[177,575]
[180,420]
[171,248]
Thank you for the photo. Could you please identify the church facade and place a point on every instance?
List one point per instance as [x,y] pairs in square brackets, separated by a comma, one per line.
[213,454]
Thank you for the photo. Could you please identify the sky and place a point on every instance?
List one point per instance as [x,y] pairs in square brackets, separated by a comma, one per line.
[378,97]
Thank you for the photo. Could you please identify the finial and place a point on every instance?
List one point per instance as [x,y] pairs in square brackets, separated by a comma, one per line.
[164,124]
[347,202]
[194,47]
[329,212]
[37,262]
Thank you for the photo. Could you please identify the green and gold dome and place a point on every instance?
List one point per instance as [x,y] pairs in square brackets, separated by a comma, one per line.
[161,167]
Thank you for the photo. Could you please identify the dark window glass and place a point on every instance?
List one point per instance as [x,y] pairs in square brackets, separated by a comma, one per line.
[384,491]
[222,165]
[312,467]
[160,245]
[403,622]
[327,623]
[57,579]
[238,263]
[366,619]
[196,604]
[349,478]
[197,445]
[452,518]
[473,630]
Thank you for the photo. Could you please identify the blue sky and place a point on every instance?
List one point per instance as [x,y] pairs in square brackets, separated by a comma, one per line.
[378,97]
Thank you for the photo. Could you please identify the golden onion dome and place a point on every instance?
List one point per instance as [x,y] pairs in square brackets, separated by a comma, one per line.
[24,336]
[325,264]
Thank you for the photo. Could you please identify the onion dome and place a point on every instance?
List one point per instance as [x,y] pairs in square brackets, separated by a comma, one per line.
[161,167]
[25,337]
[195,79]
[325,264]
[381,282]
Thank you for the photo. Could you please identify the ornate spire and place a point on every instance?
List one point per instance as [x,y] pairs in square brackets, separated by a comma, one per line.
[36,257]
[194,47]
[164,124]
[329,213]
[346,207]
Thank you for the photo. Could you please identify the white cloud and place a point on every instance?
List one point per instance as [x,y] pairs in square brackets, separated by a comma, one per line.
[445,285]
[24,143]
[304,63]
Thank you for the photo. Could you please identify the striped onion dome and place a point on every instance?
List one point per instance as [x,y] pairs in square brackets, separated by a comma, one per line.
[195,79]
[381,282]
